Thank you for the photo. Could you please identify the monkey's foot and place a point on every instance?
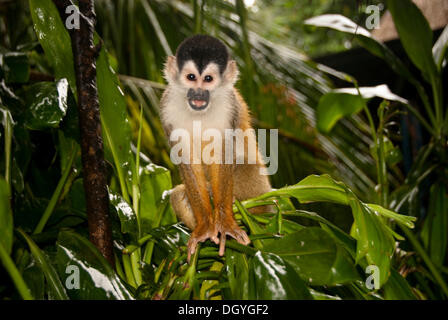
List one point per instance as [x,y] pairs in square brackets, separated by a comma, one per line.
[201,234]
[227,226]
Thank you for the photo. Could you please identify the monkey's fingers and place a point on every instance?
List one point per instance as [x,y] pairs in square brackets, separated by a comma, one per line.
[238,234]
[191,248]
[195,238]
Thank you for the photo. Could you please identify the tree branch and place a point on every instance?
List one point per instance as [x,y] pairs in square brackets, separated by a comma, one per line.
[94,167]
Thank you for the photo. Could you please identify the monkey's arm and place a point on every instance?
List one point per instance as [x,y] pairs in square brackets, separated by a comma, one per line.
[195,183]
[222,188]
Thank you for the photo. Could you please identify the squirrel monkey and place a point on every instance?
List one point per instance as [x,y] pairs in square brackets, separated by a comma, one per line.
[201,80]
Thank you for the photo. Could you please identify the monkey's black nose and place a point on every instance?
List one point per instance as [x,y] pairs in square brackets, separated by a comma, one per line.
[198,99]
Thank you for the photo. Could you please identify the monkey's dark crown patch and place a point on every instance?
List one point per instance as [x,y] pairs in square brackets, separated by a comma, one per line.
[202,49]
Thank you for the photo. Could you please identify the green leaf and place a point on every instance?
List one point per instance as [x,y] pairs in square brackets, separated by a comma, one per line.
[15,66]
[374,240]
[125,213]
[155,180]
[397,288]
[54,40]
[334,106]
[312,189]
[274,279]
[415,35]
[97,278]
[315,256]
[46,104]
[440,49]
[54,283]
[399,218]
[237,269]
[6,222]
[346,101]
[115,126]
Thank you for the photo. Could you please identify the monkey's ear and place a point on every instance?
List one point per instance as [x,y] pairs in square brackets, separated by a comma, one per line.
[170,71]
[231,73]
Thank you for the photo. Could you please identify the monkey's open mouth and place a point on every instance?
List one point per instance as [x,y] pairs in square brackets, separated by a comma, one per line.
[198,104]
[198,99]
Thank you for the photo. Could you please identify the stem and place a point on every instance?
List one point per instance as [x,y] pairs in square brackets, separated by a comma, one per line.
[57,193]
[418,247]
[382,169]
[242,210]
[128,270]
[425,100]
[15,274]
[8,139]
[437,93]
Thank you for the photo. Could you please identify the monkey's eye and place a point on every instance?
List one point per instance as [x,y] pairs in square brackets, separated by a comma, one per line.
[191,77]
[208,79]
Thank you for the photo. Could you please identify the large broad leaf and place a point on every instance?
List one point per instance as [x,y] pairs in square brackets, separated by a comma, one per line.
[415,35]
[97,279]
[374,239]
[274,279]
[55,287]
[115,125]
[54,39]
[6,224]
[346,101]
[46,104]
[154,181]
[315,256]
[334,106]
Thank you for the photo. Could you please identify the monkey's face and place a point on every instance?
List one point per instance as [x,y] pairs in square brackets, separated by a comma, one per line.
[200,87]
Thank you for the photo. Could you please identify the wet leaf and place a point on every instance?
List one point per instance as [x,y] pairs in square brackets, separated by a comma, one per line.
[46,104]
[274,279]
[96,277]
[315,256]
[125,213]
[55,286]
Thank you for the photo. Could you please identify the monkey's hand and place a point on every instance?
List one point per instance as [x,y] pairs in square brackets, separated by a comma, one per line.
[227,226]
[201,233]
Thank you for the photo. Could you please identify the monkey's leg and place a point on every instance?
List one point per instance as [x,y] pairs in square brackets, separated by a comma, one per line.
[222,188]
[199,199]
[181,206]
